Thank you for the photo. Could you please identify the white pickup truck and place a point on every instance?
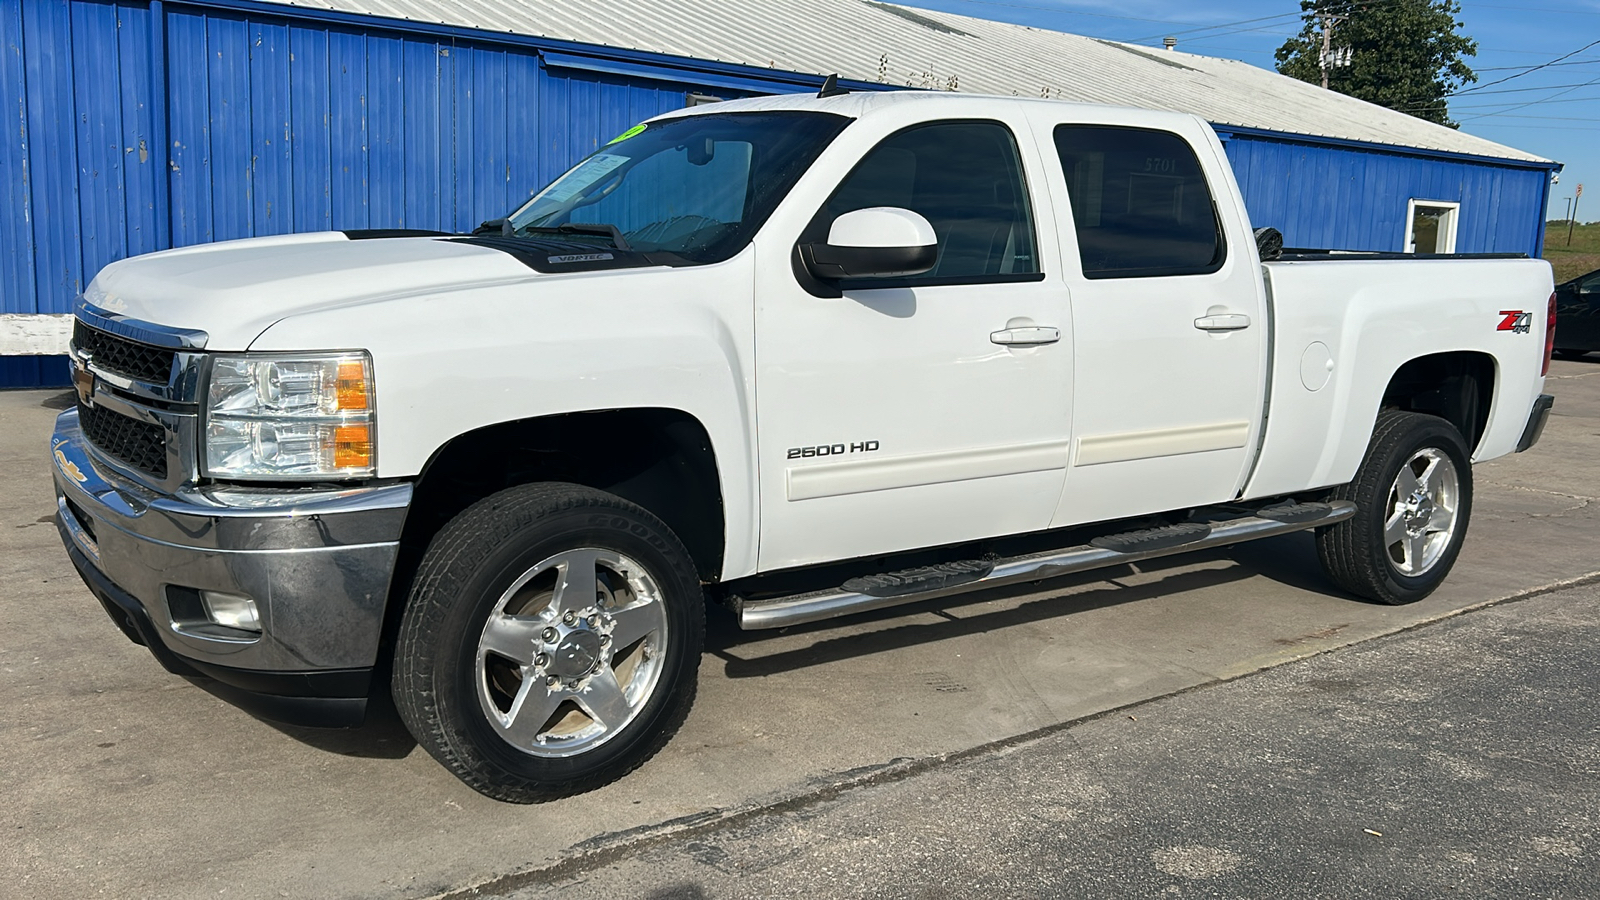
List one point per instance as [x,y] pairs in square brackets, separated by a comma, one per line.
[802,356]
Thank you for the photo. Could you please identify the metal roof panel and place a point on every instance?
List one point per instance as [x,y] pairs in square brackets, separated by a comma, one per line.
[871,41]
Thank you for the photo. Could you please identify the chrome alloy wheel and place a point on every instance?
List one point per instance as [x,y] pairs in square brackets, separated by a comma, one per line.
[1420,518]
[571,652]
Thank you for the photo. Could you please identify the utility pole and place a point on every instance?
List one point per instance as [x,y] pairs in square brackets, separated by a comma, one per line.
[1574,220]
[1330,57]
[1568,213]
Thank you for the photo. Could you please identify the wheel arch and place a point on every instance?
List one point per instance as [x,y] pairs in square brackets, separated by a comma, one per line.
[1457,386]
[659,458]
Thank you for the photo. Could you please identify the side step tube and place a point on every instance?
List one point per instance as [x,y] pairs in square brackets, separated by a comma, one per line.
[781,612]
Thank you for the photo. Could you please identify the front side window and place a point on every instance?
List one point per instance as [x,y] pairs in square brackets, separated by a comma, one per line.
[965,178]
[696,188]
[1140,203]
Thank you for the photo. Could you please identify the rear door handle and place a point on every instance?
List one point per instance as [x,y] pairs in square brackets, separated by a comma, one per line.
[1228,322]
[1023,337]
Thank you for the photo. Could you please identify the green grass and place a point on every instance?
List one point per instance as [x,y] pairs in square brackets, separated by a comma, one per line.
[1581,257]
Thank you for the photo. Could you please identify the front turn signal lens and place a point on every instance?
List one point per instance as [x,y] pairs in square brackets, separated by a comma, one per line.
[352,446]
[350,385]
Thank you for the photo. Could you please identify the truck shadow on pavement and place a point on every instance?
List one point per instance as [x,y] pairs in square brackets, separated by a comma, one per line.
[381,736]
[63,400]
[1289,560]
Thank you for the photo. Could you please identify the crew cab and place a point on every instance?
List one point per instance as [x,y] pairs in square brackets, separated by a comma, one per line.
[797,356]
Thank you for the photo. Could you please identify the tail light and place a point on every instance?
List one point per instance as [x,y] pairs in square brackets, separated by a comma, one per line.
[1549,337]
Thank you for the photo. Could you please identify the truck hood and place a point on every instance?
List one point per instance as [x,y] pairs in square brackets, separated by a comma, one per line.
[234,290]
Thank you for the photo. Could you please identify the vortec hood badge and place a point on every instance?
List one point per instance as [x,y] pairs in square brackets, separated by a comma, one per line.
[580,257]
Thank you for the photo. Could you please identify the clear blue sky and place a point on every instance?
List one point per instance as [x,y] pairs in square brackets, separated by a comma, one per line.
[1553,112]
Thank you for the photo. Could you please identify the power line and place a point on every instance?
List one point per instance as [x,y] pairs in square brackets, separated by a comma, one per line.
[1157,37]
[1448,97]
[1368,4]
[1473,90]
[1547,118]
[1521,127]
[1526,90]
[1509,105]
[1571,12]
[1536,102]
[1576,62]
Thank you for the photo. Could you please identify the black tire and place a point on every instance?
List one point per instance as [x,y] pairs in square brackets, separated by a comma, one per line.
[1566,353]
[439,687]
[1354,553]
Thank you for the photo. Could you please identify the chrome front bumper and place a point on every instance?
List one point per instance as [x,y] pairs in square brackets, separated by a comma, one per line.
[317,563]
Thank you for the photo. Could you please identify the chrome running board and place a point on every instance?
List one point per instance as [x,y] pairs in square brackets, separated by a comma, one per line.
[950,579]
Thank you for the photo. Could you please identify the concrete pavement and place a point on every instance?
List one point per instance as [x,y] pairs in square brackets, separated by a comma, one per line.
[124,781]
[1461,759]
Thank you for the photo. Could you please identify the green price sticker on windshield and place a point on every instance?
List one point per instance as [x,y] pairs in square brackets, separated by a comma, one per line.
[625,135]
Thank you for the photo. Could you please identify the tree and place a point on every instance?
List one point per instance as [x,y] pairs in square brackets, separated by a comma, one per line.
[1403,54]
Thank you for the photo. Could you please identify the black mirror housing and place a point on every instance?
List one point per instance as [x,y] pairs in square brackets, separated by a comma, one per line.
[829,262]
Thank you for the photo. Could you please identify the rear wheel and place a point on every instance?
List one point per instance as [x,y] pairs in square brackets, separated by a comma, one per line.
[1414,498]
[550,643]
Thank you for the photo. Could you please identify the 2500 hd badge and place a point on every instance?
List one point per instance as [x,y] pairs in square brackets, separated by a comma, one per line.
[832,449]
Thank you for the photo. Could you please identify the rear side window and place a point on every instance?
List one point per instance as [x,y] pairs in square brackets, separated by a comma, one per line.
[1139,202]
[965,178]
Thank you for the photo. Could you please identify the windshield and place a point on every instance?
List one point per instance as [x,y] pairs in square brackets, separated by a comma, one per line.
[697,187]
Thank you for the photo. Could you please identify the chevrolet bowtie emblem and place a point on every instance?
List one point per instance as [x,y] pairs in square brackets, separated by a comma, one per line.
[70,468]
[83,381]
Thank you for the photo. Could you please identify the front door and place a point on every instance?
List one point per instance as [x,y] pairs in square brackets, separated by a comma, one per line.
[898,415]
[1169,322]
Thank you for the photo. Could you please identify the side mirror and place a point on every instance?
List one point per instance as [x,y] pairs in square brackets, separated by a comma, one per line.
[877,242]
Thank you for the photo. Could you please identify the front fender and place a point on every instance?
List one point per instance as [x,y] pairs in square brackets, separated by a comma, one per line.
[445,364]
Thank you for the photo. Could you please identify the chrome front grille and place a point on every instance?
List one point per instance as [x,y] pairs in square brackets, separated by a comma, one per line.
[138,395]
[139,445]
[130,359]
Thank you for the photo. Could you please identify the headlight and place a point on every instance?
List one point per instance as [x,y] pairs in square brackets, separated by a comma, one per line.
[290,417]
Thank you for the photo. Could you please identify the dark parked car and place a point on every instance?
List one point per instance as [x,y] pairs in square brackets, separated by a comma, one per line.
[1578,315]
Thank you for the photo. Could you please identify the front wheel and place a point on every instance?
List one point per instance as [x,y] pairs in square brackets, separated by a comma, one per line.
[550,643]
[1413,492]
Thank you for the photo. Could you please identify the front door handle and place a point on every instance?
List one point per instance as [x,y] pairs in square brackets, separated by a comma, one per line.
[1024,337]
[1227,322]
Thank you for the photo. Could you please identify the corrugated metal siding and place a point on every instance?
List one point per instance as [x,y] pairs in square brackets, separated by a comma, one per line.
[275,124]
[1310,193]
[278,128]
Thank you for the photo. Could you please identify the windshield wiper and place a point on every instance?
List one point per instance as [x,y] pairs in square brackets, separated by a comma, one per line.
[601,229]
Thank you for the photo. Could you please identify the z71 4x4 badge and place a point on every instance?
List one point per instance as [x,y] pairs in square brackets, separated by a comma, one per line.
[1516,321]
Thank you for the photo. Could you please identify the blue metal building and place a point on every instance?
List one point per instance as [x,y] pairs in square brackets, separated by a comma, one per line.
[130,127]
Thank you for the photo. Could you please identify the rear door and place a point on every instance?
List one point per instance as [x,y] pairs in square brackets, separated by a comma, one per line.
[1169,317]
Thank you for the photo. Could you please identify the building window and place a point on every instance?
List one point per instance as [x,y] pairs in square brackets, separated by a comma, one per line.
[1431,226]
